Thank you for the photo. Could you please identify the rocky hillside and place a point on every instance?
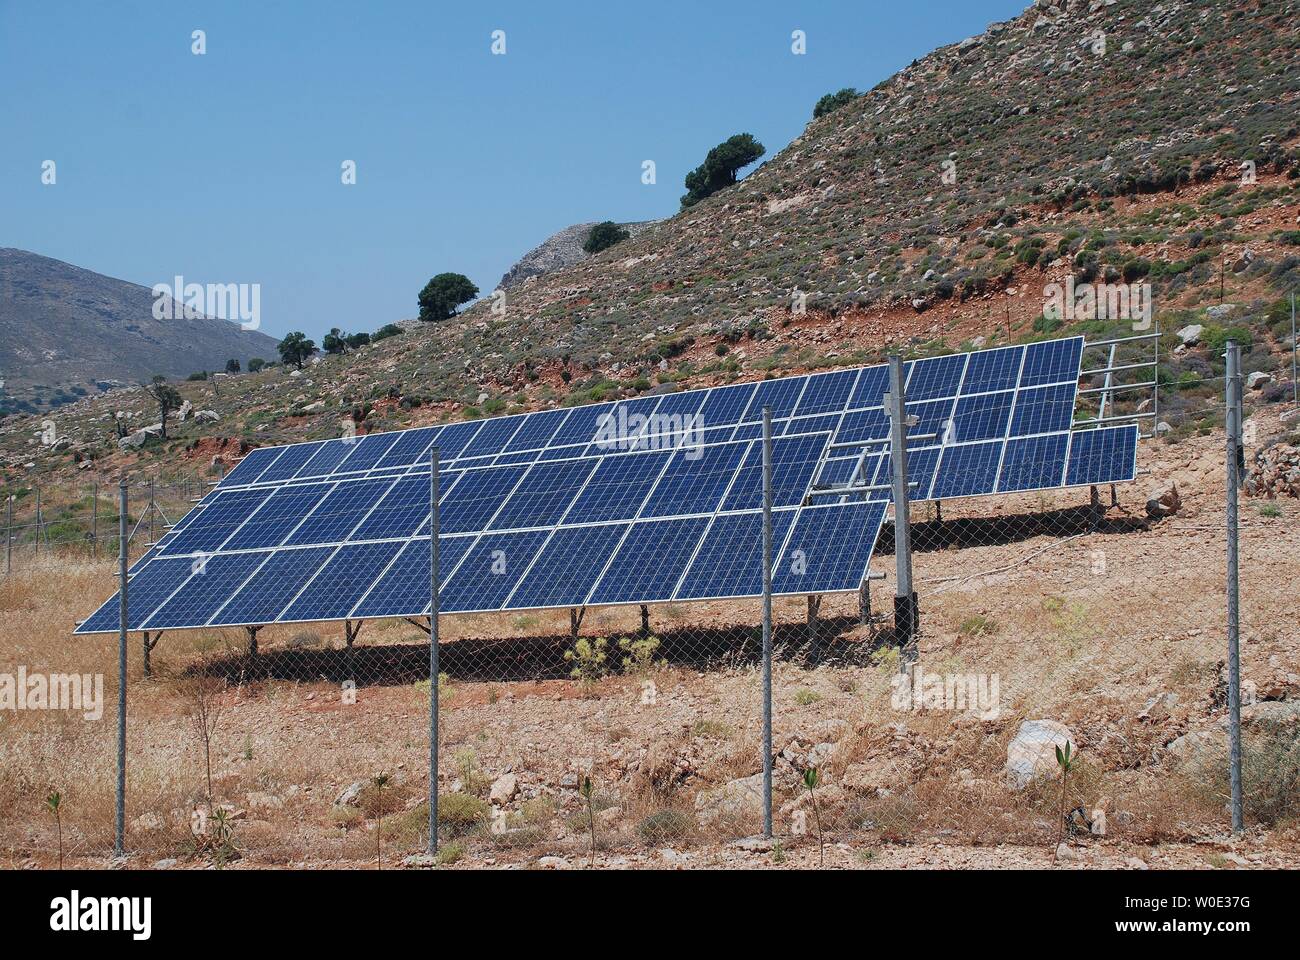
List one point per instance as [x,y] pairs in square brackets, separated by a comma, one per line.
[69,332]
[1113,140]
[558,251]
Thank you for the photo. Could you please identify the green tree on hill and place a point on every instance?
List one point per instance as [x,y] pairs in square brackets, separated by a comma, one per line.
[720,166]
[166,396]
[603,236]
[295,348]
[443,294]
[833,101]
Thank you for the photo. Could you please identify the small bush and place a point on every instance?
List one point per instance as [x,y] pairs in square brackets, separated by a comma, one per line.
[666,825]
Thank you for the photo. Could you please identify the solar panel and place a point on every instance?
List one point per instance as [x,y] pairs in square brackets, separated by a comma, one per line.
[556,509]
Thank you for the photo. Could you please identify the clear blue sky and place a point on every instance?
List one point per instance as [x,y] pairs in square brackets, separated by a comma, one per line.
[225,168]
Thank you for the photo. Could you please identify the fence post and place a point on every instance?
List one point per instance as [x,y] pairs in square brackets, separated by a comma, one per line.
[39,525]
[1295,384]
[94,519]
[120,833]
[906,612]
[9,534]
[1234,465]
[767,622]
[152,508]
[433,651]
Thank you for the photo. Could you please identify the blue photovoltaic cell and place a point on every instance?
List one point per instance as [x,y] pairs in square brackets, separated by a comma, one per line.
[327,458]
[781,395]
[217,521]
[649,563]
[401,512]
[730,560]
[490,570]
[404,590]
[793,461]
[724,405]
[262,598]
[863,425]
[1052,361]
[695,481]
[279,515]
[340,511]
[347,575]
[982,417]
[873,383]
[544,494]
[935,377]
[247,470]
[1043,410]
[476,497]
[213,580]
[1103,455]
[826,392]
[289,462]
[411,448]
[1033,462]
[967,470]
[992,370]
[581,426]
[829,548]
[537,430]
[368,451]
[682,405]
[494,436]
[618,487]
[145,591]
[568,566]
[453,439]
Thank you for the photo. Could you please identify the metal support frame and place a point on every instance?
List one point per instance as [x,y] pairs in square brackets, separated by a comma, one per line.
[645,620]
[575,620]
[1235,462]
[434,591]
[146,649]
[767,622]
[906,613]
[252,640]
[119,835]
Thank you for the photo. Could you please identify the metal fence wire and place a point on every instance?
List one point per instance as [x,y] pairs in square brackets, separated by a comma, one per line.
[1048,674]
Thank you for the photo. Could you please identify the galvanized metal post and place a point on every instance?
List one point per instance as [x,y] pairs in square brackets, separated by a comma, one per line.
[120,833]
[905,605]
[1234,463]
[39,525]
[767,622]
[153,508]
[9,534]
[433,651]
[1295,384]
[94,519]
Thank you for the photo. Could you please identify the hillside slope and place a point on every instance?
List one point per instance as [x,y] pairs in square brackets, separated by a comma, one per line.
[1095,140]
[558,251]
[65,328]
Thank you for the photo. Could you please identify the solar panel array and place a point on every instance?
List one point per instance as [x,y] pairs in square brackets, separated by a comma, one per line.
[644,500]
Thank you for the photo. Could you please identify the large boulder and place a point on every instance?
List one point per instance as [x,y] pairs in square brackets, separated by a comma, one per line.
[1032,751]
[504,789]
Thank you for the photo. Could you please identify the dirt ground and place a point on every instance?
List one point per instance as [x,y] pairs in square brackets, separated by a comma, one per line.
[1113,628]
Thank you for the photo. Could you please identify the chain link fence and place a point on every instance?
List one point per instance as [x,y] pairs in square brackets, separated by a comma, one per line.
[626,735]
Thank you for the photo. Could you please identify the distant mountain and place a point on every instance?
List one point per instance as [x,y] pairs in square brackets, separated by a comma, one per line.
[558,251]
[66,332]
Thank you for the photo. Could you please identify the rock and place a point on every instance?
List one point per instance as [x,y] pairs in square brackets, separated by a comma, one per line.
[1219,311]
[1066,853]
[553,863]
[1258,380]
[148,821]
[314,406]
[1098,824]
[754,844]
[820,755]
[419,861]
[736,798]
[351,794]
[1136,863]
[263,801]
[168,864]
[1032,752]
[1158,708]
[206,416]
[186,408]
[504,789]
[1190,334]
[1165,503]
[1163,427]
[608,817]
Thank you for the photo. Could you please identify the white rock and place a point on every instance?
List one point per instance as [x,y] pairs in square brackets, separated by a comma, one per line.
[504,789]
[1032,752]
[1258,380]
[1191,334]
